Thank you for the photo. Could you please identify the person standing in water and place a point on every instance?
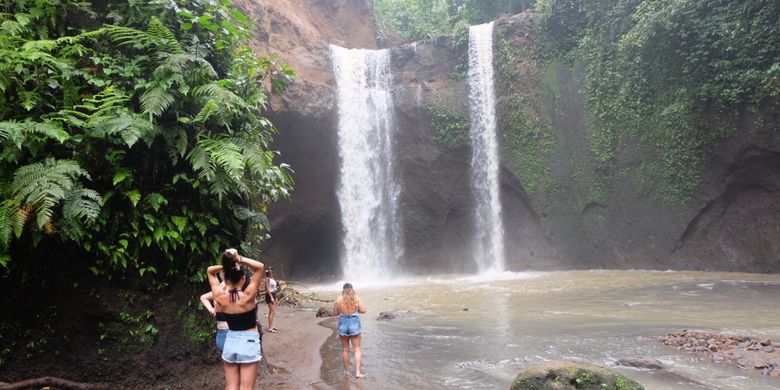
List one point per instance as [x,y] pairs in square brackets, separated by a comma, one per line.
[270,298]
[348,305]
[241,351]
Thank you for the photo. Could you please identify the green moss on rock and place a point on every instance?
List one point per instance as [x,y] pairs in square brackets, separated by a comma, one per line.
[564,375]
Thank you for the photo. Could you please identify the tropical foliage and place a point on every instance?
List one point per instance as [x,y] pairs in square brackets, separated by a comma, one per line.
[132,133]
[673,75]
[421,19]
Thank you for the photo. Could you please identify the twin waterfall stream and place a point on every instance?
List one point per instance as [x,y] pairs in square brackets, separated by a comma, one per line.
[368,190]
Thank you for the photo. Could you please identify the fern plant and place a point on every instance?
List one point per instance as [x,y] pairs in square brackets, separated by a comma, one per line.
[141,142]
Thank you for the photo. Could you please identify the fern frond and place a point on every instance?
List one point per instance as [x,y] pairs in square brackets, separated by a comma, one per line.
[6,224]
[221,94]
[257,159]
[129,126]
[210,108]
[97,107]
[40,45]
[11,132]
[51,130]
[5,79]
[12,27]
[14,133]
[20,217]
[176,142]
[226,155]
[30,99]
[165,38]
[82,204]
[246,214]
[128,36]
[41,186]
[178,63]
[156,100]
[80,207]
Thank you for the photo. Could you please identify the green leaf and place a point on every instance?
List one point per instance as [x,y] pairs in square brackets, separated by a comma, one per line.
[240,16]
[180,222]
[159,233]
[134,196]
[155,101]
[121,176]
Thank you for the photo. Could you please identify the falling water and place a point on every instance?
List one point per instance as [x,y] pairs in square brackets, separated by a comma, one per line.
[489,236]
[367,192]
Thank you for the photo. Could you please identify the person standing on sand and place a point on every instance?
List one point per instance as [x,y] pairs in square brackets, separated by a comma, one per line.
[347,306]
[241,352]
[270,298]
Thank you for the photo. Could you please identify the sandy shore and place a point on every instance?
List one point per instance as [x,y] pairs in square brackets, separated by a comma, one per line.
[294,351]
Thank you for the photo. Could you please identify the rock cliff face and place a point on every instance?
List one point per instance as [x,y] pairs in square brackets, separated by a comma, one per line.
[732,225]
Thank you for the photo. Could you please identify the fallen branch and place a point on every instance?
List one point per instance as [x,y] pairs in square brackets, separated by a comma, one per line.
[60,383]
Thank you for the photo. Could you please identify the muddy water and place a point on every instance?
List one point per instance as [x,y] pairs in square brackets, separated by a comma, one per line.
[469,333]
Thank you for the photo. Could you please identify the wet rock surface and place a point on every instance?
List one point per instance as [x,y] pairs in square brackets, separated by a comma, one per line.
[392,314]
[324,312]
[647,364]
[564,375]
[745,352]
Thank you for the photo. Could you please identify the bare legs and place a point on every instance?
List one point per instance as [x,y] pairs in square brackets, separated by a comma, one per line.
[355,341]
[232,376]
[271,313]
[358,355]
[248,376]
[345,353]
[240,376]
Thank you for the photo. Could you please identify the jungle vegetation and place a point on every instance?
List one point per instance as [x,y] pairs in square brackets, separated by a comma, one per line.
[132,136]
[670,78]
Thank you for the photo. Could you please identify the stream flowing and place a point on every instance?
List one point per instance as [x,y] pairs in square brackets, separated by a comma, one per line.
[479,333]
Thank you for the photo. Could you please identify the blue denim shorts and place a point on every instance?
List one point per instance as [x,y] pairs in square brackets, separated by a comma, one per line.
[241,346]
[221,334]
[349,325]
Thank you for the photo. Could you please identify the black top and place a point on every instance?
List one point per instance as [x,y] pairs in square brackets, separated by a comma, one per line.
[241,321]
[221,316]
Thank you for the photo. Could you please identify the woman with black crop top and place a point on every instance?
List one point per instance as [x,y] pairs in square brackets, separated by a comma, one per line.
[242,344]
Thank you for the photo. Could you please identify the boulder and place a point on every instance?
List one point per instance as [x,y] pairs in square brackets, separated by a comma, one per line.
[392,314]
[648,364]
[565,375]
[324,312]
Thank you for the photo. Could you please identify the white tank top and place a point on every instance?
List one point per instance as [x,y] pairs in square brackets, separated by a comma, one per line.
[272,285]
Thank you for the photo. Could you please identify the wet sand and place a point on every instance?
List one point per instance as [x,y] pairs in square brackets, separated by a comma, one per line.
[293,353]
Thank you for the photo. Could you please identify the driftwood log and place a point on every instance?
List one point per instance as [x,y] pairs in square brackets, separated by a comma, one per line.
[58,383]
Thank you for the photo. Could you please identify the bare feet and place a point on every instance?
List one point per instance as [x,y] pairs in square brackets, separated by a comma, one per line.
[359,375]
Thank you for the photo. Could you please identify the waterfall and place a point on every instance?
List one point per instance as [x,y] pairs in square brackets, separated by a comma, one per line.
[489,231]
[367,191]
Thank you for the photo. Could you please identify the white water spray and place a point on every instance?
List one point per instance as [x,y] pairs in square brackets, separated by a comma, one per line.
[368,191]
[489,231]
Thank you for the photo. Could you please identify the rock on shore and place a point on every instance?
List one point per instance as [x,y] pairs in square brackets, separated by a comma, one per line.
[744,352]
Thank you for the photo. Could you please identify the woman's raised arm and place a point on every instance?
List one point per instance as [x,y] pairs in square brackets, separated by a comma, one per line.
[213,280]
[257,274]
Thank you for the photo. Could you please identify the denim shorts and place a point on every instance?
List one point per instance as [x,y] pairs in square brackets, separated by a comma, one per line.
[221,334]
[349,325]
[242,346]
